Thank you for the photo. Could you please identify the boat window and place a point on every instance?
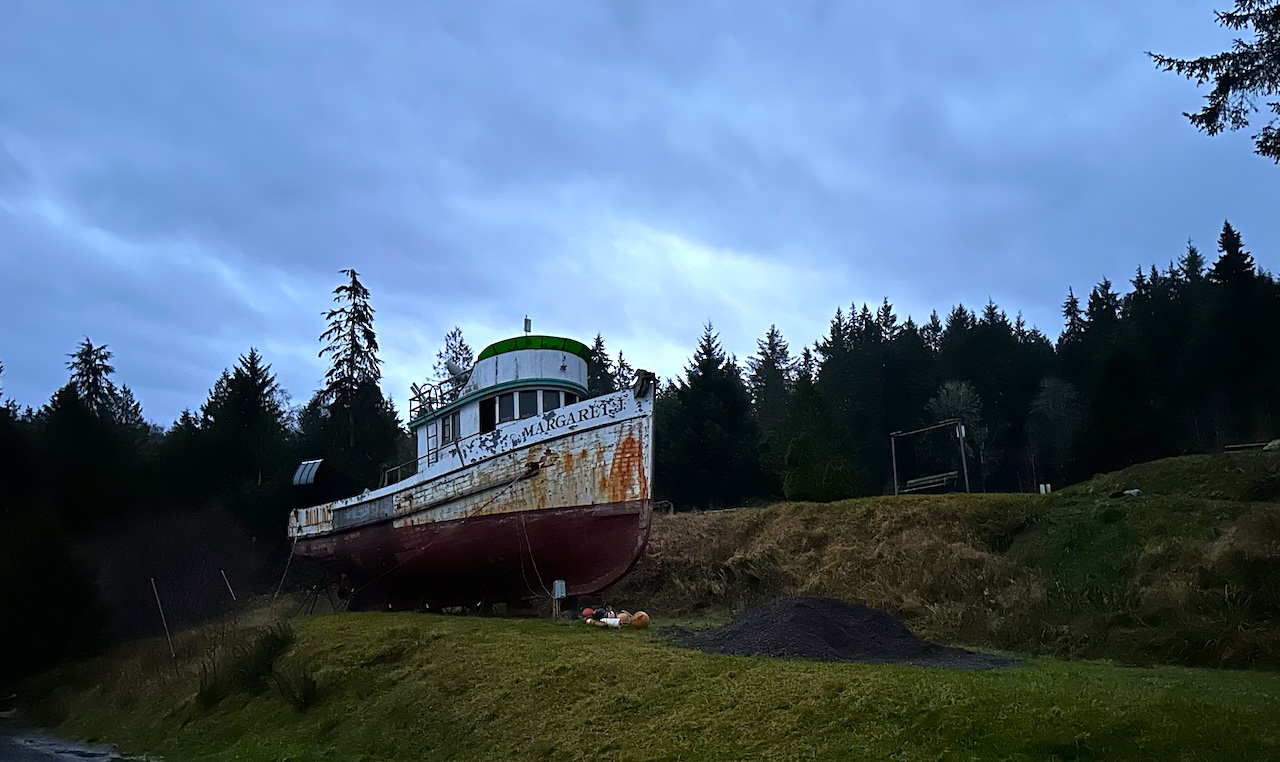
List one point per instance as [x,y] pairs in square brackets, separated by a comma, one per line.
[449,428]
[506,407]
[488,415]
[528,403]
[570,399]
[550,400]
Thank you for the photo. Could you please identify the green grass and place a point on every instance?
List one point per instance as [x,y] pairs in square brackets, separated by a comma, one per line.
[1231,476]
[413,687]
[1090,547]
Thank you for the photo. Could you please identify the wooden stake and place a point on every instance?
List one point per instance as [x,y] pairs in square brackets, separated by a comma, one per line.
[286,572]
[224,579]
[172,653]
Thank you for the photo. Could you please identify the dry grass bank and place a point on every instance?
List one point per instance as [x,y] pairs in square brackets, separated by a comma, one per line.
[1170,577]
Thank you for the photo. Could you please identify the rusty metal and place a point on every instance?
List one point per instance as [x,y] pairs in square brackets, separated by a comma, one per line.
[593,459]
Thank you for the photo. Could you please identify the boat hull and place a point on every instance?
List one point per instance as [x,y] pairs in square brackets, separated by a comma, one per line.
[562,497]
[486,559]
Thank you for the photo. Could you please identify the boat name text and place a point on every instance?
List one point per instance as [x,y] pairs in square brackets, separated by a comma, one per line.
[593,410]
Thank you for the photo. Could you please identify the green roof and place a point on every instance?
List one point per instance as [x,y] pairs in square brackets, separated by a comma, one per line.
[536,342]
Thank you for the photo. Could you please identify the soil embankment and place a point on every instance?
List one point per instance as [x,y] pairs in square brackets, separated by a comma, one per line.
[825,629]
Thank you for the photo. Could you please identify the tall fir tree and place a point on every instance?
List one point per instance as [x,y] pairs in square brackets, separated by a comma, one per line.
[1235,266]
[352,343]
[91,371]
[1073,329]
[771,382]
[601,376]
[1243,77]
[350,422]
[931,332]
[715,457]
[246,425]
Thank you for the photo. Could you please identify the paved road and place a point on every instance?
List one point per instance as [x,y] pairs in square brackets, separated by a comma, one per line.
[18,744]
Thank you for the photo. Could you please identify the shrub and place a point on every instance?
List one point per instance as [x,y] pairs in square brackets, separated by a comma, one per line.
[242,662]
[297,686]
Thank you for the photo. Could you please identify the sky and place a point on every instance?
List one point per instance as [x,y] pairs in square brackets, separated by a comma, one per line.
[182,181]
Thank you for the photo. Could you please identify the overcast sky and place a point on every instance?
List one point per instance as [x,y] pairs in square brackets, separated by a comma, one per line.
[182,181]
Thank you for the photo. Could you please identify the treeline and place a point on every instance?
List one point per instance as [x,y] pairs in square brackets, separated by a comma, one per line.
[97,502]
[1186,361]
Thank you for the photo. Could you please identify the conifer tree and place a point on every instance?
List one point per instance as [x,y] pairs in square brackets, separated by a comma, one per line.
[1075,323]
[126,411]
[1104,307]
[887,321]
[353,353]
[717,445]
[350,422]
[601,376]
[457,351]
[91,371]
[771,381]
[1191,267]
[1235,266]
[1052,422]
[352,343]
[246,425]
[931,332]
[624,374]
[1242,76]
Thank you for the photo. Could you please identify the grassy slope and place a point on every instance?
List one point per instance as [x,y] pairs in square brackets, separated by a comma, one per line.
[1246,476]
[411,687]
[1180,575]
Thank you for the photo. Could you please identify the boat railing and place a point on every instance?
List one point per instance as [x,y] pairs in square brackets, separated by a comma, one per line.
[405,470]
[428,397]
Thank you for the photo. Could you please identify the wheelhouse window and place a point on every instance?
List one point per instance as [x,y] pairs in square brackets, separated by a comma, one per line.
[528,403]
[449,426]
[506,407]
[488,415]
[525,403]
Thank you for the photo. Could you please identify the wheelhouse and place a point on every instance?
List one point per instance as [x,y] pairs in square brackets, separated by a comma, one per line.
[513,379]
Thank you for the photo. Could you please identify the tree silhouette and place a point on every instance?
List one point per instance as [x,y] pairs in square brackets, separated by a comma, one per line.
[1248,71]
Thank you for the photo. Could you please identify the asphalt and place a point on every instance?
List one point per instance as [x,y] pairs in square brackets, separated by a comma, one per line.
[20,744]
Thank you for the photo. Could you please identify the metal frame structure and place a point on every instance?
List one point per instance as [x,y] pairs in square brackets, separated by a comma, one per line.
[932,480]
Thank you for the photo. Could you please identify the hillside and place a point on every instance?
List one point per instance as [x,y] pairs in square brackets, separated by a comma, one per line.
[415,686]
[1187,573]
[1247,476]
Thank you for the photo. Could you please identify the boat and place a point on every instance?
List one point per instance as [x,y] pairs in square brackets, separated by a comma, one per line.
[522,488]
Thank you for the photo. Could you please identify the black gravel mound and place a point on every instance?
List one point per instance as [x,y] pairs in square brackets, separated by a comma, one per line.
[826,629]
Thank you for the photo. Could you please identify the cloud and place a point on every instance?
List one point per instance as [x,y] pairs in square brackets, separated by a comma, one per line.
[183,181]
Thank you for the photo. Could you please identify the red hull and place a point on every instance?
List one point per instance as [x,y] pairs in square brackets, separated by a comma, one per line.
[488,558]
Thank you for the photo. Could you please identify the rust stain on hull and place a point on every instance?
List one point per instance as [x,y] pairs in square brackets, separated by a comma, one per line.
[554,504]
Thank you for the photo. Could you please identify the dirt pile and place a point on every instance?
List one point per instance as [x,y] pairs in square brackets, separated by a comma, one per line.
[826,629]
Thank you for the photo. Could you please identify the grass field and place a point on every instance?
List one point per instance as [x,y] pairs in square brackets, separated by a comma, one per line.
[414,687]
